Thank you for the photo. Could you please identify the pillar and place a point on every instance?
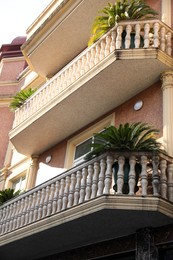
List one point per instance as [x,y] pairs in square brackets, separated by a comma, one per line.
[3,176]
[166,12]
[32,172]
[145,248]
[167,88]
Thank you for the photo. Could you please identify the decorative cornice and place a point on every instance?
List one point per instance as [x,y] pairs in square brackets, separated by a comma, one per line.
[167,79]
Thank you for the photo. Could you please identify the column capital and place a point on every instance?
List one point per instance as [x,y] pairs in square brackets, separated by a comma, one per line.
[167,79]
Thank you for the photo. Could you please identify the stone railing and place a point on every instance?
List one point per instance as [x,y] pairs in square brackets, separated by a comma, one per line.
[146,34]
[87,182]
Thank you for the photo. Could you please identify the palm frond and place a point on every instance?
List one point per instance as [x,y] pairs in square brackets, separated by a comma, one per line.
[111,14]
[20,98]
[128,137]
[8,194]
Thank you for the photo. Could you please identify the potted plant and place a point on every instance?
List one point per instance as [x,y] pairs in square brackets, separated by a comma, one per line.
[114,13]
[20,98]
[8,194]
[134,137]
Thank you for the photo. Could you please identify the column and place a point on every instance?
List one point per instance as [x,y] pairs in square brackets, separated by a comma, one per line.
[3,176]
[167,88]
[145,248]
[32,172]
[166,12]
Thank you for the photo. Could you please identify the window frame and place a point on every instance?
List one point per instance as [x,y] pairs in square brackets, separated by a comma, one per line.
[84,135]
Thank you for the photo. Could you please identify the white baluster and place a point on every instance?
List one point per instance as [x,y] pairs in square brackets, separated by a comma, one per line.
[55,198]
[108,175]
[68,77]
[155,175]
[128,36]
[83,66]
[83,185]
[95,180]
[146,35]
[38,196]
[65,79]
[77,187]
[144,179]
[107,47]
[28,210]
[89,182]
[60,195]
[170,182]
[66,193]
[4,214]
[71,190]
[101,177]
[162,39]
[97,55]
[40,208]
[16,214]
[132,175]
[44,212]
[12,216]
[168,44]
[58,86]
[137,35]
[156,35]
[87,63]
[102,49]
[120,175]
[24,211]
[31,213]
[113,40]
[163,179]
[79,71]
[119,37]
[50,202]
[20,213]
[93,52]
[8,219]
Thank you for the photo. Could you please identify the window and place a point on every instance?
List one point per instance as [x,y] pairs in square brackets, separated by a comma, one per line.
[79,145]
[19,184]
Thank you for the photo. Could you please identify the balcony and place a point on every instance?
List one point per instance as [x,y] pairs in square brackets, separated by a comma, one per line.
[100,78]
[80,207]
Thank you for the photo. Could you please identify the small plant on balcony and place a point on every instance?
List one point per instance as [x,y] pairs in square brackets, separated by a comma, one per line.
[8,194]
[114,13]
[20,98]
[135,137]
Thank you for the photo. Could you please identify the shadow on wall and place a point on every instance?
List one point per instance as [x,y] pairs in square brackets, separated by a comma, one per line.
[46,173]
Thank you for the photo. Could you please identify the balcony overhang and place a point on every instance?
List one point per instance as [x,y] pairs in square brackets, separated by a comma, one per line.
[114,80]
[61,32]
[101,219]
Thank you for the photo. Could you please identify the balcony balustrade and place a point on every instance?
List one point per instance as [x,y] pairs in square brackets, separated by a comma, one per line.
[155,35]
[85,183]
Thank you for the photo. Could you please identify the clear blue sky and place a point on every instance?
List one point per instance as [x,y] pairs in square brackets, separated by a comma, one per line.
[17,15]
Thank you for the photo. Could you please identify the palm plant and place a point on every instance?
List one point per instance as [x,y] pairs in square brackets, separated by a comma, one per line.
[135,137]
[8,194]
[121,10]
[20,98]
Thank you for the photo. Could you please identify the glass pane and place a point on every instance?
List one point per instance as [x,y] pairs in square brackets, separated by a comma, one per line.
[83,148]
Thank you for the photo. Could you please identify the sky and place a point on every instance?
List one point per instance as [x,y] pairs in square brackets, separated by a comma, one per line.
[17,15]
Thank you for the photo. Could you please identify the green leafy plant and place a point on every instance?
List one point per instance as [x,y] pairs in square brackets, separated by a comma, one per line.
[135,137]
[121,10]
[8,194]
[20,98]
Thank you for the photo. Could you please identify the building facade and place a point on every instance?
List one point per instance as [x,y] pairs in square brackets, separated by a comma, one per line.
[69,209]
